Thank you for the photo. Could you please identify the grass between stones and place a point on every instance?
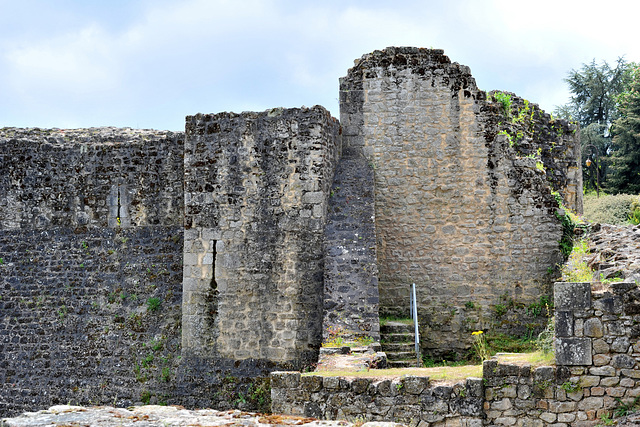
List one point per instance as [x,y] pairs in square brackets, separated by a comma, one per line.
[443,373]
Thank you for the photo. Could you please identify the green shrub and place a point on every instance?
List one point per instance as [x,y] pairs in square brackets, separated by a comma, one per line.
[610,209]
[153,304]
[634,216]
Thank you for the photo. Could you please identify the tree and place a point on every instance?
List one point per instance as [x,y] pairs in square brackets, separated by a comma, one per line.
[595,89]
[626,138]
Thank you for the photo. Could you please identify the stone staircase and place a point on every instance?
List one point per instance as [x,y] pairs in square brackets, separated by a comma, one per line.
[397,339]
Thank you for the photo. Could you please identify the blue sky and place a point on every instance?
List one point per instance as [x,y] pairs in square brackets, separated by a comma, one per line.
[148,64]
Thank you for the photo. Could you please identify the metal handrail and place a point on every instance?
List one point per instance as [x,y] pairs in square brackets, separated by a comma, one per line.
[413,306]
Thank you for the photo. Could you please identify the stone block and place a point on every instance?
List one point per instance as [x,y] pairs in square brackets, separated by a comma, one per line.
[631,373]
[572,296]
[603,371]
[615,391]
[285,379]
[415,385]
[601,359]
[573,351]
[600,346]
[620,345]
[591,403]
[564,324]
[593,328]
[562,406]
[311,383]
[566,418]
[623,361]
[474,387]
[501,405]
[589,381]
[548,417]
[331,383]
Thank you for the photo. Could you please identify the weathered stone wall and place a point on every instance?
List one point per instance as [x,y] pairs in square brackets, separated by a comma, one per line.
[100,177]
[410,400]
[256,191]
[90,232]
[351,297]
[554,142]
[458,211]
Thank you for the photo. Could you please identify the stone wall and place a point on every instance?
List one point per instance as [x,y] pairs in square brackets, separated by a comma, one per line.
[351,297]
[256,192]
[100,177]
[458,210]
[410,400]
[597,372]
[90,266]
[554,142]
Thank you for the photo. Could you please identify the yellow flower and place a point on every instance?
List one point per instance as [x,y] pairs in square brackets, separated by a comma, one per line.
[476,333]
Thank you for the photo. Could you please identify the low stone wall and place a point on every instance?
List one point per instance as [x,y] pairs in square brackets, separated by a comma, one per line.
[408,399]
[597,372]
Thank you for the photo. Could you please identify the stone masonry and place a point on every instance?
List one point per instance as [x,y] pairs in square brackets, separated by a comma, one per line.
[597,372]
[256,193]
[351,296]
[141,266]
[458,211]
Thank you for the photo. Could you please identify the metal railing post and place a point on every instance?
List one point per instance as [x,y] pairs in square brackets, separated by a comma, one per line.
[414,316]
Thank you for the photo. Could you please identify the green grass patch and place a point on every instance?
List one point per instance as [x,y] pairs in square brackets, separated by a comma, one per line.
[444,373]
[498,342]
[441,373]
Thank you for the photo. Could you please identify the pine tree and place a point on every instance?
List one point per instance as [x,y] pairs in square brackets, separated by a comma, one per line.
[626,139]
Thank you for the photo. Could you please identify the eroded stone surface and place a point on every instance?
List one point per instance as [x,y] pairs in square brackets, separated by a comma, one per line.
[162,416]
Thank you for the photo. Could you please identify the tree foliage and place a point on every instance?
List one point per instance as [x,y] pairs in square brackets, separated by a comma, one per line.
[596,90]
[626,138]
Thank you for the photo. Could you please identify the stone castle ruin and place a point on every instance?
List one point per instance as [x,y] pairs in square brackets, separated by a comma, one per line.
[170,267]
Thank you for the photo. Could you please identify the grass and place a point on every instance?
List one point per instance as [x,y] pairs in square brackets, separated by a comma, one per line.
[536,358]
[440,373]
[444,373]
[497,342]
[576,268]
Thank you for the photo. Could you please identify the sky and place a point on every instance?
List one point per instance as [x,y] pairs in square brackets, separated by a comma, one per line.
[149,63]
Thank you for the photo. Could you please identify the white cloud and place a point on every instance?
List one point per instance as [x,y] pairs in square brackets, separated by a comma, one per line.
[166,59]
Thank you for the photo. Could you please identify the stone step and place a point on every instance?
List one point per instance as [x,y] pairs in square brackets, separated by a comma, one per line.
[403,355]
[401,346]
[396,327]
[403,363]
[397,338]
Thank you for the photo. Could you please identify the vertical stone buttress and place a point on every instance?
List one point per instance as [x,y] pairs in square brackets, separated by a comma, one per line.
[457,212]
[256,191]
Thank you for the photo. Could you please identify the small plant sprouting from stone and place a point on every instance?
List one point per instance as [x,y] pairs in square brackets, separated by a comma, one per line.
[500,310]
[624,409]
[469,305]
[153,304]
[480,346]
[570,387]
[62,312]
[166,374]
[505,100]
[576,268]
[606,420]
[335,336]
